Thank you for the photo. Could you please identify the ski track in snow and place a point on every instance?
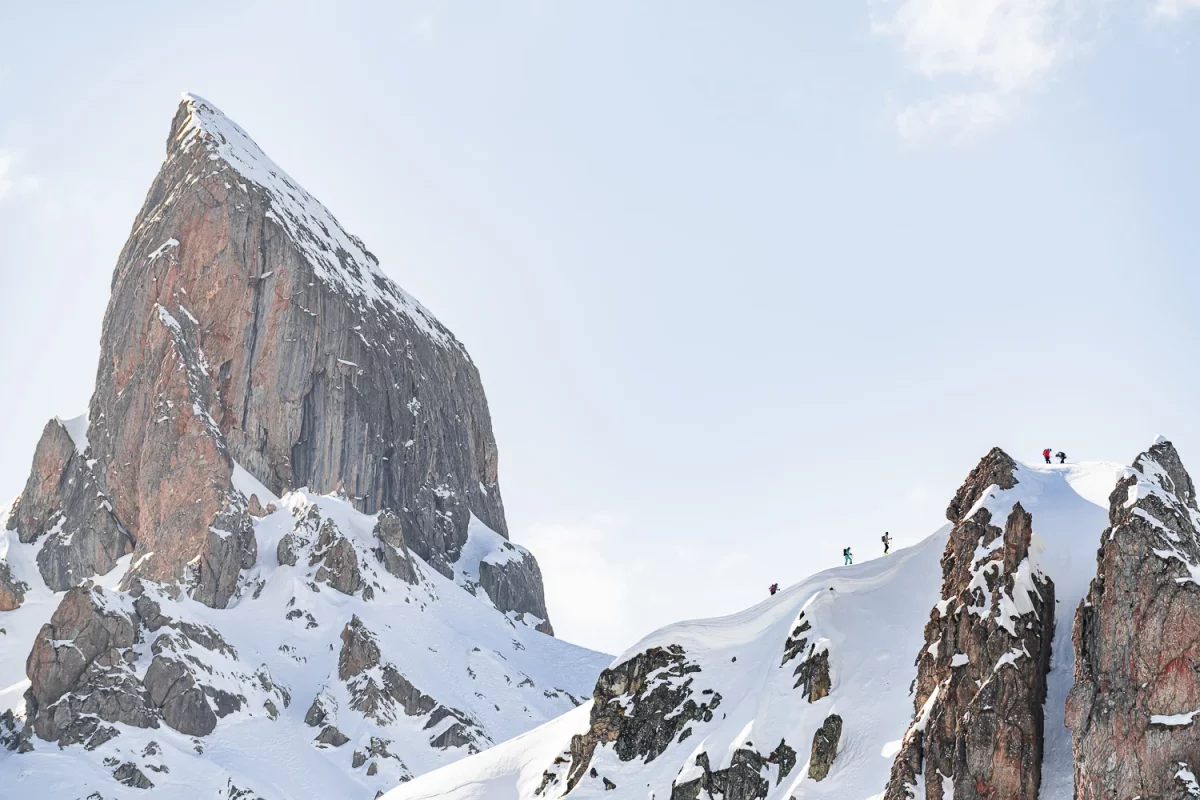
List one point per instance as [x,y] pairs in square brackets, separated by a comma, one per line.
[872,616]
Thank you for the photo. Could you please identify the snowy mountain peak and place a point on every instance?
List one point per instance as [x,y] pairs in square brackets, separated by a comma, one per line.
[276,534]
[337,257]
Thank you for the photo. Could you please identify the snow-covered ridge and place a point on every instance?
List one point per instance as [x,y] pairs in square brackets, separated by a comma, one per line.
[337,257]
[868,619]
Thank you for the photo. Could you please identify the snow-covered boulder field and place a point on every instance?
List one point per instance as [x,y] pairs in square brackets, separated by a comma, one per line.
[325,676]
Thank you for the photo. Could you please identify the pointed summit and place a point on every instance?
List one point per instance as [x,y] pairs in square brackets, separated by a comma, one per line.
[201,135]
[1163,469]
[997,468]
[248,331]
[1136,637]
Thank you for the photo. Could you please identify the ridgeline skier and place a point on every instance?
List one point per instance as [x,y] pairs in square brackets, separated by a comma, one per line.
[1061,456]
[887,542]
[774,588]
[1046,455]
[846,554]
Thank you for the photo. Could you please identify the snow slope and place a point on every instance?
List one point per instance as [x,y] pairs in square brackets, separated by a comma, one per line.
[871,618]
[454,646]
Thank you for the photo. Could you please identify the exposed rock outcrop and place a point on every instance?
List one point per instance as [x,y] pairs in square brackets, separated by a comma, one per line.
[246,325]
[1137,641]
[981,676]
[360,651]
[12,591]
[65,500]
[338,559]
[515,584]
[812,672]
[129,775]
[82,670]
[640,707]
[743,779]
[379,691]
[392,551]
[824,747]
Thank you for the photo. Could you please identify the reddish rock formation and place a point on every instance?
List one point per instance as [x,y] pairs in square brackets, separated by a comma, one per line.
[1134,711]
[12,591]
[981,677]
[246,325]
[80,671]
[65,498]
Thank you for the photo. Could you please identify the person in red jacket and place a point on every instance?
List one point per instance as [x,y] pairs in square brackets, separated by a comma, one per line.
[1046,455]
[774,588]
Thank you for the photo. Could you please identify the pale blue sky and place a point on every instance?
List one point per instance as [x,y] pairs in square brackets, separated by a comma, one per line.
[746,282]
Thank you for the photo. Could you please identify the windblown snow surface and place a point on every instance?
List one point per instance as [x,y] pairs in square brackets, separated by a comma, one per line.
[871,616]
[448,640]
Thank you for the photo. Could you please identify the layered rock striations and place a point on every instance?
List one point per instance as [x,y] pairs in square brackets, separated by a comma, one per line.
[981,677]
[247,328]
[1134,710]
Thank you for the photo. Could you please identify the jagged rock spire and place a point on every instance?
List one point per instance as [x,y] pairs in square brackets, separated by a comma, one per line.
[997,468]
[1137,641]
[977,730]
[247,326]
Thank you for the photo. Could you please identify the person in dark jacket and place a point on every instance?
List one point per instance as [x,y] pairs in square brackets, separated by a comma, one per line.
[774,588]
[887,542]
[1061,456]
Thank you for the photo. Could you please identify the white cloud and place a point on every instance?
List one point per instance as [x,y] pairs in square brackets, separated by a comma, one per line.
[12,182]
[980,57]
[1173,9]
[957,117]
[983,59]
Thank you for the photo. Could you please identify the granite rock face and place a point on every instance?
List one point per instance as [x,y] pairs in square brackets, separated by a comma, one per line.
[1134,711]
[12,591]
[80,671]
[516,585]
[392,551]
[824,747]
[65,499]
[981,676]
[640,707]
[83,670]
[380,692]
[245,325]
